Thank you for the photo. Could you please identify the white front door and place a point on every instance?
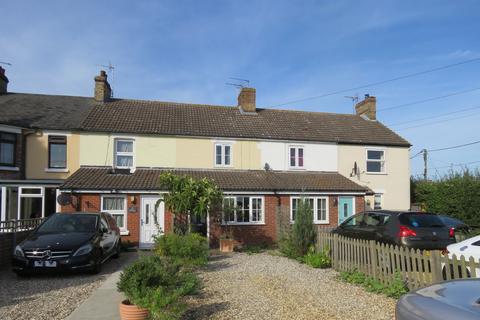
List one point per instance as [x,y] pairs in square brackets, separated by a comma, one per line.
[151,221]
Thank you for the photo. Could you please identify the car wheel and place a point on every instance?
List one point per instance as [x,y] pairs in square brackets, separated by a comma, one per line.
[118,248]
[21,274]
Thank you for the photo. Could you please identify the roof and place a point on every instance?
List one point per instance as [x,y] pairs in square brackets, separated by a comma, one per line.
[180,119]
[44,111]
[169,118]
[103,178]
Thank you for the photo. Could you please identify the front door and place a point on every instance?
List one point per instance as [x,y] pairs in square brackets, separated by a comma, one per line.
[151,221]
[345,208]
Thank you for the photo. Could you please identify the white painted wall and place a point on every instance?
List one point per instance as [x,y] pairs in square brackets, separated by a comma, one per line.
[317,156]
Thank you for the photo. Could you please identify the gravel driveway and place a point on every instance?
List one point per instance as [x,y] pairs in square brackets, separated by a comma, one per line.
[264,286]
[50,296]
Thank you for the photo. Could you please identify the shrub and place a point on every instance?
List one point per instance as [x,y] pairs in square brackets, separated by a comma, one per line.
[318,259]
[396,289]
[303,233]
[190,249]
[157,284]
[287,247]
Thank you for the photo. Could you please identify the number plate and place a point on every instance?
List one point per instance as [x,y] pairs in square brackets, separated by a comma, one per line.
[47,264]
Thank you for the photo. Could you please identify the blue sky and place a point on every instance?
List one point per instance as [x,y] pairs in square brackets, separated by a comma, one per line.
[186,51]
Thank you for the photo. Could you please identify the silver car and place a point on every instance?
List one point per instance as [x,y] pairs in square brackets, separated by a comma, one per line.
[455,299]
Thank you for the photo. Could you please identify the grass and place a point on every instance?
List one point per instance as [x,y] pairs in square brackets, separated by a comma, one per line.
[395,290]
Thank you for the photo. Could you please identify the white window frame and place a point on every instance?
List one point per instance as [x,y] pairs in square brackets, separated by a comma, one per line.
[315,208]
[222,145]
[250,211]
[115,153]
[124,229]
[381,200]
[30,195]
[296,166]
[376,160]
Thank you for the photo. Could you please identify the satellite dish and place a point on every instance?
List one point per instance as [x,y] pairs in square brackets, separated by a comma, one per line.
[64,199]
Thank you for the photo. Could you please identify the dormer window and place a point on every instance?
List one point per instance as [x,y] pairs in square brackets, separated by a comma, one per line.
[124,155]
[296,157]
[223,154]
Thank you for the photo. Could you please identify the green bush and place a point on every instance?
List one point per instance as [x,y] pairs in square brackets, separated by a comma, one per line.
[287,247]
[318,259]
[396,289]
[157,284]
[190,249]
[303,233]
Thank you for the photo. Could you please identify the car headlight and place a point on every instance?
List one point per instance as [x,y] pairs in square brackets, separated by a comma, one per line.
[18,252]
[83,250]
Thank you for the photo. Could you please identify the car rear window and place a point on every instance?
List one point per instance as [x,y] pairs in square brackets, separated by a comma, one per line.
[421,220]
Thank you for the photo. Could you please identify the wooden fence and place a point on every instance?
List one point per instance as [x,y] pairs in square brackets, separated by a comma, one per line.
[383,262]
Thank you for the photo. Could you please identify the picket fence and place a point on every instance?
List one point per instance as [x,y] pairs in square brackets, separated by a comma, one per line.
[382,262]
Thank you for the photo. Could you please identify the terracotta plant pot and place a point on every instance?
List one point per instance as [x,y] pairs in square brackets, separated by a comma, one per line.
[226,245]
[130,311]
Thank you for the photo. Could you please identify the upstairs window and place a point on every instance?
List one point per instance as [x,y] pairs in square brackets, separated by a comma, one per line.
[243,210]
[223,154]
[7,149]
[375,161]
[57,152]
[296,157]
[124,153]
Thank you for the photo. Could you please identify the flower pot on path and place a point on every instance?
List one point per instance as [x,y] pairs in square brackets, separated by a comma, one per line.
[130,311]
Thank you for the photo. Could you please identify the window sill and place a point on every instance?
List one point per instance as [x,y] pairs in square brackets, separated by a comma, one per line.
[321,222]
[65,170]
[124,232]
[6,168]
[222,166]
[296,168]
[377,173]
[243,224]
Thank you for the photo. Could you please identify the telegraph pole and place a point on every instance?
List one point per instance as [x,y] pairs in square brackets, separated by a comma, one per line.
[425,165]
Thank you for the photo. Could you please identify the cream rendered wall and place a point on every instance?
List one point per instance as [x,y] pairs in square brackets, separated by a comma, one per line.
[170,152]
[37,155]
[394,184]
[317,156]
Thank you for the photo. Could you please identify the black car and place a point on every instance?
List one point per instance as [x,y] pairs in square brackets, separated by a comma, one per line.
[77,241]
[418,230]
[458,225]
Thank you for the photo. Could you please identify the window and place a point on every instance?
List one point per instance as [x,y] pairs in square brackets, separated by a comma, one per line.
[31,202]
[317,205]
[377,202]
[57,152]
[296,157]
[223,154]
[7,149]
[374,219]
[375,161]
[355,220]
[124,153]
[243,210]
[115,205]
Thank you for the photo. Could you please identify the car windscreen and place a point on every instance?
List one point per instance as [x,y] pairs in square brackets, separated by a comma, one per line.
[65,223]
[421,220]
[452,222]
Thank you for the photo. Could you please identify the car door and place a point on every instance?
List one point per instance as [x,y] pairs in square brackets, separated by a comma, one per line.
[350,228]
[373,227]
[107,241]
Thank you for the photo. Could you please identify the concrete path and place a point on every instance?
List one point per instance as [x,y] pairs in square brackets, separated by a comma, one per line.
[103,303]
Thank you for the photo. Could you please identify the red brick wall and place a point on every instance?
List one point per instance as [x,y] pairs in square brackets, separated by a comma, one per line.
[244,234]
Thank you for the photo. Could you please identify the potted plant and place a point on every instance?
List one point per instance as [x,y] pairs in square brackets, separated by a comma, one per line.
[227,242]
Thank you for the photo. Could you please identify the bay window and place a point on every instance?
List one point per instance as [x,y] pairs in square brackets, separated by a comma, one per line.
[243,210]
[318,207]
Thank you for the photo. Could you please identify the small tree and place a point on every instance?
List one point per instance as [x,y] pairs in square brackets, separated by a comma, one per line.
[187,196]
[303,233]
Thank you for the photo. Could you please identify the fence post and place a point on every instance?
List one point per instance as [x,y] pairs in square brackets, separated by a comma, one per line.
[335,251]
[436,266]
[373,257]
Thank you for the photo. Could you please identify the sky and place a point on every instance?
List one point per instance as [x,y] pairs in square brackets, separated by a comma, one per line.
[187,51]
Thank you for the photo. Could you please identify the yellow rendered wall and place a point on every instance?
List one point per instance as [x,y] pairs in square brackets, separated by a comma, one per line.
[37,156]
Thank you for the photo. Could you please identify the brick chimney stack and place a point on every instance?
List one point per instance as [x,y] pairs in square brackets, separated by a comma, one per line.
[246,100]
[103,92]
[367,108]
[3,81]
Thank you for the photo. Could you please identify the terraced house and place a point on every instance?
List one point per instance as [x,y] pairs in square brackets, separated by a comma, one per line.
[99,153]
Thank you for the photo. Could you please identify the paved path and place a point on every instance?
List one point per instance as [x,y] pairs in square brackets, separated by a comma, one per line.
[103,303]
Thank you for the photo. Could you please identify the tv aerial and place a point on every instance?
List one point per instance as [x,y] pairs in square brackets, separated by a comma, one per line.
[111,73]
[239,83]
[354,99]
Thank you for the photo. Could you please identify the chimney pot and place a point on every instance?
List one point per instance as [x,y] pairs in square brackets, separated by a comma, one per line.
[367,107]
[103,92]
[3,81]
[246,100]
